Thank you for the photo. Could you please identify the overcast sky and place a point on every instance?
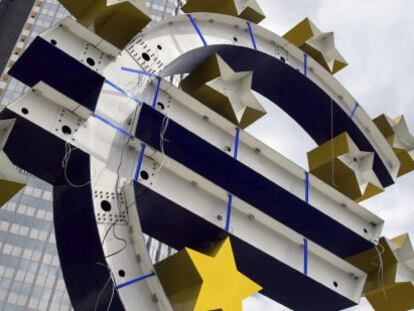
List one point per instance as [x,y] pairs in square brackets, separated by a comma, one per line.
[376,37]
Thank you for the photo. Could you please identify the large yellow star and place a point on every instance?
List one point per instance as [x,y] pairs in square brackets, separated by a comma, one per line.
[247,9]
[341,164]
[205,281]
[11,181]
[116,21]
[390,269]
[398,135]
[215,84]
[319,45]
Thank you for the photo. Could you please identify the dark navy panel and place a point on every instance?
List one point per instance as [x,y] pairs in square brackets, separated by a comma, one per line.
[79,246]
[299,97]
[39,152]
[179,228]
[243,182]
[79,249]
[43,61]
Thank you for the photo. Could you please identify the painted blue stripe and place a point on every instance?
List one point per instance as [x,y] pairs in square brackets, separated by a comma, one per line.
[305,249]
[305,256]
[306,187]
[136,280]
[229,208]
[114,126]
[249,26]
[354,110]
[197,28]
[157,91]
[230,197]
[140,160]
[122,91]
[236,143]
[305,64]
[140,72]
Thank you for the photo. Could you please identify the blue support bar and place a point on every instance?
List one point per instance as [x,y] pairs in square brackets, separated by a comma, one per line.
[236,143]
[139,72]
[305,256]
[136,280]
[305,249]
[354,110]
[229,208]
[306,187]
[122,91]
[140,160]
[197,28]
[249,26]
[114,126]
[230,197]
[157,91]
[305,64]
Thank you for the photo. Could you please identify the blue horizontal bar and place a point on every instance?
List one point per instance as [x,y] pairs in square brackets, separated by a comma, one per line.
[114,126]
[197,28]
[140,160]
[140,72]
[136,280]
[122,91]
[249,26]
[354,110]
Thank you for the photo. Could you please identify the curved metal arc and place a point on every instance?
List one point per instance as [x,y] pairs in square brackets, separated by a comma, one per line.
[298,96]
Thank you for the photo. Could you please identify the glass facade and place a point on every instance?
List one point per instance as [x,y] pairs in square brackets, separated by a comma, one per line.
[30,275]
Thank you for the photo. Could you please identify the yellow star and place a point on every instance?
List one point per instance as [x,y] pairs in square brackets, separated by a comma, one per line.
[247,9]
[11,182]
[398,135]
[317,44]
[229,93]
[341,164]
[393,289]
[116,21]
[205,281]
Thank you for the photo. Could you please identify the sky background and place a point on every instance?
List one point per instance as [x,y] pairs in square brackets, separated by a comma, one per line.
[376,37]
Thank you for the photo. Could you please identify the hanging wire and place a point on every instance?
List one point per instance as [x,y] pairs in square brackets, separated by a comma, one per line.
[65,161]
[110,278]
[380,274]
[164,127]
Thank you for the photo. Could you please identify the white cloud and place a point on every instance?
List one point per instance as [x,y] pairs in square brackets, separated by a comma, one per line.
[377,39]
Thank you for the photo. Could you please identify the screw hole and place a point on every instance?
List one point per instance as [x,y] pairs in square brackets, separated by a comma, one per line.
[159,47]
[146,57]
[228,148]
[219,217]
[121,273]
[161,105]
[66,130]
[25,111]
[335,284]
[365,230]
[235,39]
[90,61]
[106,206]
[53,41]
[144,175]
[283,59]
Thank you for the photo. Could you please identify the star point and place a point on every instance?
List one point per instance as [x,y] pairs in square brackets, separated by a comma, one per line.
[209,280]
[247,9]
[228,93]
[116,21]
[401,140]
[341,164]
